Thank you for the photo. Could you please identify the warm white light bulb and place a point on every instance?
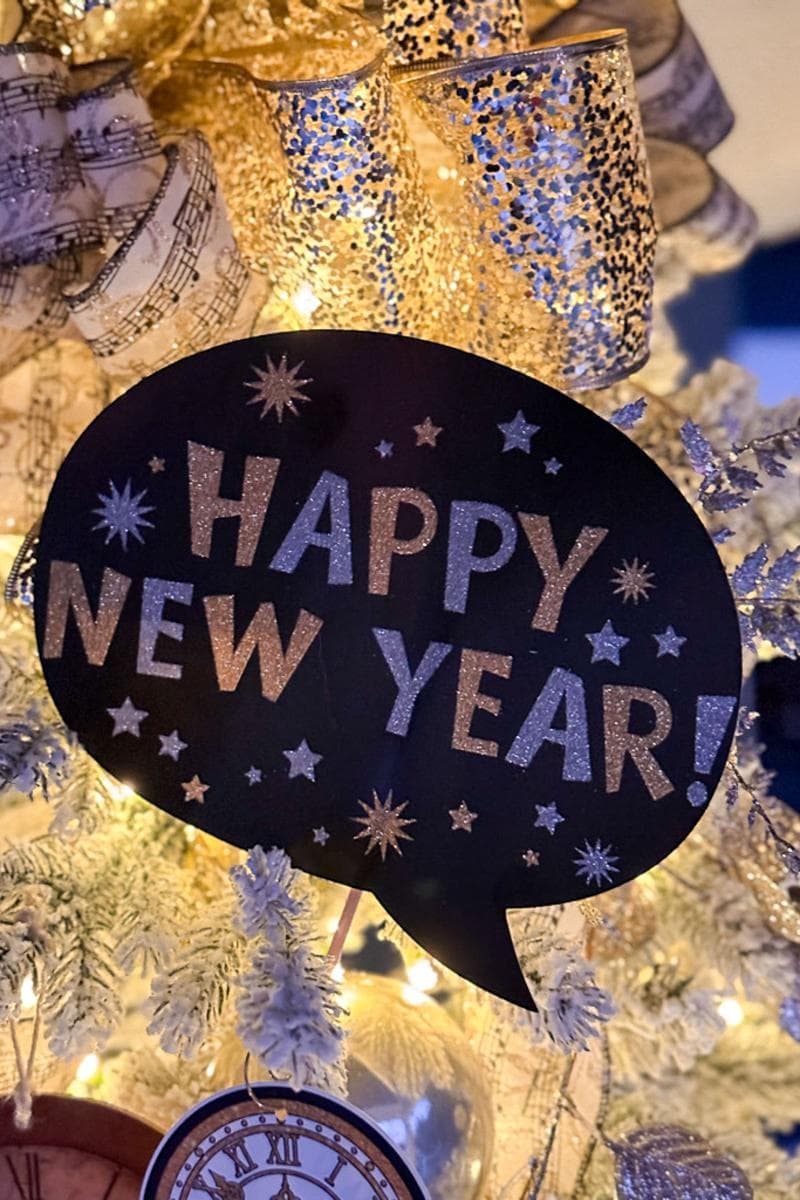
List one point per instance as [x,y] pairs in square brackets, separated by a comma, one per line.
[422,975]
[27,994]
[731,1011]
[305,302]
[87,1068]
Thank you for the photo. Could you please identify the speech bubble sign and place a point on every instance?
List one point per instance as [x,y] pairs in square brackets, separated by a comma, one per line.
[436,629]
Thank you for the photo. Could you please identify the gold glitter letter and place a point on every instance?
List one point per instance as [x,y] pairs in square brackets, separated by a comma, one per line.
[557,576]
[66,591]
[474,663]
[383,526]
[620,741]
[206,505]
[261,634]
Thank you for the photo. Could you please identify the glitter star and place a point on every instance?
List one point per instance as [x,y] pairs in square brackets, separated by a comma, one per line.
[669,642]
[156,464]
[547,817]
[517,434]
[302,761]
[171,745]
[552,466]
[278,388]
[427,433]
[253,776]
[122,514]
[596,864]
[384,448]
[321,836]
[606,644]
[462,818]
[195,789]
[633,581]
[530,858]
[383,825]
[127,718]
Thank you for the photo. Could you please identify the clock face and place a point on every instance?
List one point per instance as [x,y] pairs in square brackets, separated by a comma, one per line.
[73,1150]
[277,1144]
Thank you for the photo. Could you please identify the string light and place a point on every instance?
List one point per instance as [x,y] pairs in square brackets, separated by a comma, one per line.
[27,994]
[422,975]
[731,1012]
[87,1068]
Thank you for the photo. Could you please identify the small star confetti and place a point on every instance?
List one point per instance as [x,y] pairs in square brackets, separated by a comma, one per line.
[633,581]
[195,789]
[383,825]
[385,449]
[462,818]
[321,836]
[517,434]
[530,858]
[596,864]
[156,464]
[253,776]
[606,644]
[122,514]
[427,433]
[171,745]
[669,642]
[127,718]
[278,387]
[302,761]
[552,466]
[547,817]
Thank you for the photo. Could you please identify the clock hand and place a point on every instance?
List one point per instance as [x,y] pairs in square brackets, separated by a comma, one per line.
[221,1189]
[285,1192]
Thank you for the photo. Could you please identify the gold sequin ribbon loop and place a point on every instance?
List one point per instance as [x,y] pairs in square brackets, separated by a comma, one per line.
[557,204]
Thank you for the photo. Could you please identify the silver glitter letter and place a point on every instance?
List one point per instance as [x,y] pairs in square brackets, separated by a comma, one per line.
[408,686]
[538,727]
[461,562]
[329,489]
[154,593]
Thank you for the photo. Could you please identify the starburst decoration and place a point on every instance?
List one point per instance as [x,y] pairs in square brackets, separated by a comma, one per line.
[383,825]
[633,581]
[596,864]
[122,514]
[278,387]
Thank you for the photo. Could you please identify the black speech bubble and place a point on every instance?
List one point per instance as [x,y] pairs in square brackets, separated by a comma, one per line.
[450,886]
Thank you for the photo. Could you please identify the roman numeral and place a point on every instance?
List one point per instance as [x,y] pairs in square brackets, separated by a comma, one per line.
[331,1179]
[240,1156]
[32,1188]
[283,1148]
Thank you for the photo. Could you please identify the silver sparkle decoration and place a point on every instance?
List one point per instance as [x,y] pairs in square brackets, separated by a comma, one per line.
[595,863]
[552,466]
[711,722]
[302,761]
[171,745]
[253,776]
[669,642]
[384,448]
[668,1162]
[122,514]
[606,644]
[548,817]
[321,836]
[127,718]
[697,794]
[517,434]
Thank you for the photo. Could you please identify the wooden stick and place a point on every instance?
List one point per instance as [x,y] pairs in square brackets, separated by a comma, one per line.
[343,928]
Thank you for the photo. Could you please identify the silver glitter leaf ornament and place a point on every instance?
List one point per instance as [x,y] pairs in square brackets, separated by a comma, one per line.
[668,1162]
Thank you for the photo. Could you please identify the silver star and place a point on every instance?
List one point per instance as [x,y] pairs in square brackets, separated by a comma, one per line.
[517,434]
[547,817]
[127,718]
[302,761]
[606,644]
[253,776]
[552,466]
[171,745]
[321,835]
[384,448]
[669,642]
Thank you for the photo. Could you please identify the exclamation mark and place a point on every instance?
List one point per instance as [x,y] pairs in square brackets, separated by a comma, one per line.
[711,724]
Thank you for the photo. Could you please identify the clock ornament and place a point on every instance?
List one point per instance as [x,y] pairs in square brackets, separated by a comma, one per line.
[268,1142]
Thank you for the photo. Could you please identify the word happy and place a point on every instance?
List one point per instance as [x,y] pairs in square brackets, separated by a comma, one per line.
[323,523]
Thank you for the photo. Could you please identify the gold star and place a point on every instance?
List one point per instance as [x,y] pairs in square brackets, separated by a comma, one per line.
[156,464]
[427,433]
[530,858]
[462,818]
[278,387]
[633,581]
[195,789]
[383,825]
